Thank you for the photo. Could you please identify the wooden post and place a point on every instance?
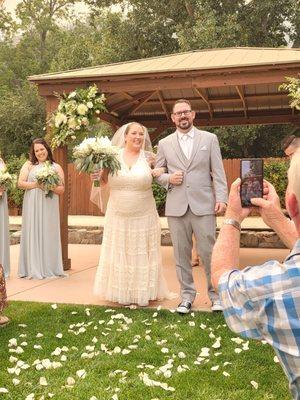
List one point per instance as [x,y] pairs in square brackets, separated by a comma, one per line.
[60,156]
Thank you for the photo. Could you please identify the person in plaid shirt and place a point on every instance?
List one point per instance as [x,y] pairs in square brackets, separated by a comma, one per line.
[263,301]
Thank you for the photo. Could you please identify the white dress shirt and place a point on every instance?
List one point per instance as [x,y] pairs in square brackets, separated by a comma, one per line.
[186,142]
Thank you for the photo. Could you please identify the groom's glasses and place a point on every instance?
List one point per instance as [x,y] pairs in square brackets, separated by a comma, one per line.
[184,112]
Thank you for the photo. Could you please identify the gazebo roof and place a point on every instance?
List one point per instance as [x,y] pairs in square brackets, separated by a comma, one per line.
[228,86]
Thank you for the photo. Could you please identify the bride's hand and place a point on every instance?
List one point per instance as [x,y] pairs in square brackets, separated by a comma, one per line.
[156,172]
[96,176]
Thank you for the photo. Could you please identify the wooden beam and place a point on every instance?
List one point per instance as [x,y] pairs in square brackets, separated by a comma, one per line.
[163,106]
[139,105]
[241,92]
[110,119]
[134,99]
[204,96]
[177,81]
[155,134]
[127,95]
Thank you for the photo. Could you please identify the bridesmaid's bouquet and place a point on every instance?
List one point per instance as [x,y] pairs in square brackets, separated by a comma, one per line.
[94,154]
[48,178]
[7,181]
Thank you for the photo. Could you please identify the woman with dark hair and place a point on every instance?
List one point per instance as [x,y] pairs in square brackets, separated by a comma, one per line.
[3,298]
[4,229]
[40,252]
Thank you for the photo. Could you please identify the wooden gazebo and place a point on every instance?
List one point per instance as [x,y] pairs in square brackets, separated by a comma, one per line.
[230,86]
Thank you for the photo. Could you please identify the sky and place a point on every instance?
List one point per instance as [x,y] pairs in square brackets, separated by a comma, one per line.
[10,5]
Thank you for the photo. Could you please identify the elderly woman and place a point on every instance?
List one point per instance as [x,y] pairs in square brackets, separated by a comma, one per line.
[3,298]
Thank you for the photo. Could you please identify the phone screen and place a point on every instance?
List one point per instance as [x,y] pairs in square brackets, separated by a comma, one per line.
[252,180]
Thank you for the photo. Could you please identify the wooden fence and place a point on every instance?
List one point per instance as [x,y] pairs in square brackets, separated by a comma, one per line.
[79,187]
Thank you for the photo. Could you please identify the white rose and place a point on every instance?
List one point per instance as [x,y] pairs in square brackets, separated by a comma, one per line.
[90,104]
[82,109]
[72,123]
[60,118]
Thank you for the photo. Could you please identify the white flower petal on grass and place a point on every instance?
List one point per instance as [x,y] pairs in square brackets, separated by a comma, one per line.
[43,381]
[202,326]
[245,346]
[93,398]
[115,397]
[155,315]
[74,312]
[164,350]
[237,340]
[168,374]
[54,306]
[81,373]
[181,354]
[211,335]
[226,363]
[237,350]
[215,368]
[22,325]
[217,344]
[264,342]
[125,351]
[192,323]
[39,335]
[70,381]
[63,358]
[12,342]
[254,384]
[37,347]
[24,344]
[3,390]
[148,337]
[13,359]
[59,335]
[225,373]
[30,397]
[204,352]
[50,395]
[276,360]
[16,381]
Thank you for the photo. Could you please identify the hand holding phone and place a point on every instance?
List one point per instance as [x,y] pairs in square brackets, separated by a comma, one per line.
[251,180]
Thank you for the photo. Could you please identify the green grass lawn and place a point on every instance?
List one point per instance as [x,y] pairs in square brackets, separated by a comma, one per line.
[121,351]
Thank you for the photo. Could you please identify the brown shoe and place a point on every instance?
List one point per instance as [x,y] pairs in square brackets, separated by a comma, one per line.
[3,320]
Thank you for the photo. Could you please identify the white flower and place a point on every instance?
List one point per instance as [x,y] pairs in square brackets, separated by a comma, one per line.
[90,104]
[81,373]
[43,381]
[225,373]
[82,109]
[3,390]
[254,384]
[165,350]
[16,381]
[59,335]
[60,118]
[72,95]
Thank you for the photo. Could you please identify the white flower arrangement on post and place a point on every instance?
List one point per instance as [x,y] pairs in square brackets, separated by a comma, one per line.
[76,112]
[293,89]
[94,154]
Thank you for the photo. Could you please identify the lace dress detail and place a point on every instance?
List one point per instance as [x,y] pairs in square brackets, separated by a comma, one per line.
[130,266]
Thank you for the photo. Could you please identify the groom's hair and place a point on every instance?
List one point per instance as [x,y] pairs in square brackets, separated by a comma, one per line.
[182,101]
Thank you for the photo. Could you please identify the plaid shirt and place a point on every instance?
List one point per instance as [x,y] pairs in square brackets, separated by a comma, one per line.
[263,302]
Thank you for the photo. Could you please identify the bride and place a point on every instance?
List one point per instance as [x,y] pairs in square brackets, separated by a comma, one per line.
[130,266]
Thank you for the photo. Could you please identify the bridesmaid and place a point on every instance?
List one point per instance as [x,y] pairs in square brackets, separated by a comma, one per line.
[40,251]
[4,229]
[3,298]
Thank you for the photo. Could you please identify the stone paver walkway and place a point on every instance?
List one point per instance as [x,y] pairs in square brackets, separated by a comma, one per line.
[77,287]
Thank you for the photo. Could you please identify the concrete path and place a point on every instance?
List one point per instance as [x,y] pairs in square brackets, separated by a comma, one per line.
[77,287]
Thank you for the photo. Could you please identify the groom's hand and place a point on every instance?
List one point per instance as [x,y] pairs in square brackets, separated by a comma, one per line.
[176,178]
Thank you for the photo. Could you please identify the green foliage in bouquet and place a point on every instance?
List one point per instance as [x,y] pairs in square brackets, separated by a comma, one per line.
[293,89]
[48,178]
[76,113]
[14,194]
[276,173]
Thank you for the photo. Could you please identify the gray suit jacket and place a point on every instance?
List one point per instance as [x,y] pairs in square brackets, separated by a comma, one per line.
[204,181]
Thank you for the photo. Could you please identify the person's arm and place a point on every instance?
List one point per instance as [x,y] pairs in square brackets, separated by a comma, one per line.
[271,213]
[225,255]
[59,189]
[23,176]
[161,162]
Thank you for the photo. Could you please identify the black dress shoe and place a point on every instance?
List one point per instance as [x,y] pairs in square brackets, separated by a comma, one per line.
[184,307]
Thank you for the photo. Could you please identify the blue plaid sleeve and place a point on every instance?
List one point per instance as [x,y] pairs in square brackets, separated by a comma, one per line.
[238,309]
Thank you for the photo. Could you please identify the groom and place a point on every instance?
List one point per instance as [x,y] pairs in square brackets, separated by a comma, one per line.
[197,191]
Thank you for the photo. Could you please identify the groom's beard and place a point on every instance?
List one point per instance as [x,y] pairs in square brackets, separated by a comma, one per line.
[184,124]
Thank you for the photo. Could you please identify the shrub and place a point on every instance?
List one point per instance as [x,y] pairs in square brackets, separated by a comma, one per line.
[160,195]
[275,171]
[15,195]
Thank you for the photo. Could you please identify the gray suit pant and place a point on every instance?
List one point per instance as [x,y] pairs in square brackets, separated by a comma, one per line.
[181,230]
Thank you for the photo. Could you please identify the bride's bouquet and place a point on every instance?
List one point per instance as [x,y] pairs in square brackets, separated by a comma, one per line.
[94,154]
[7,181]
[48,178]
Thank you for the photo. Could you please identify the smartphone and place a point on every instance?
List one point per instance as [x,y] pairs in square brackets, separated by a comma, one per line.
[252,175]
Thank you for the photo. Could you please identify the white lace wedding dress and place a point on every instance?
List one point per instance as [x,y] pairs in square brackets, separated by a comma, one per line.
[130,266]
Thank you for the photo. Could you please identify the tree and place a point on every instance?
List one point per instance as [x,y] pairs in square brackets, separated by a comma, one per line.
[42,17]
[22,118]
